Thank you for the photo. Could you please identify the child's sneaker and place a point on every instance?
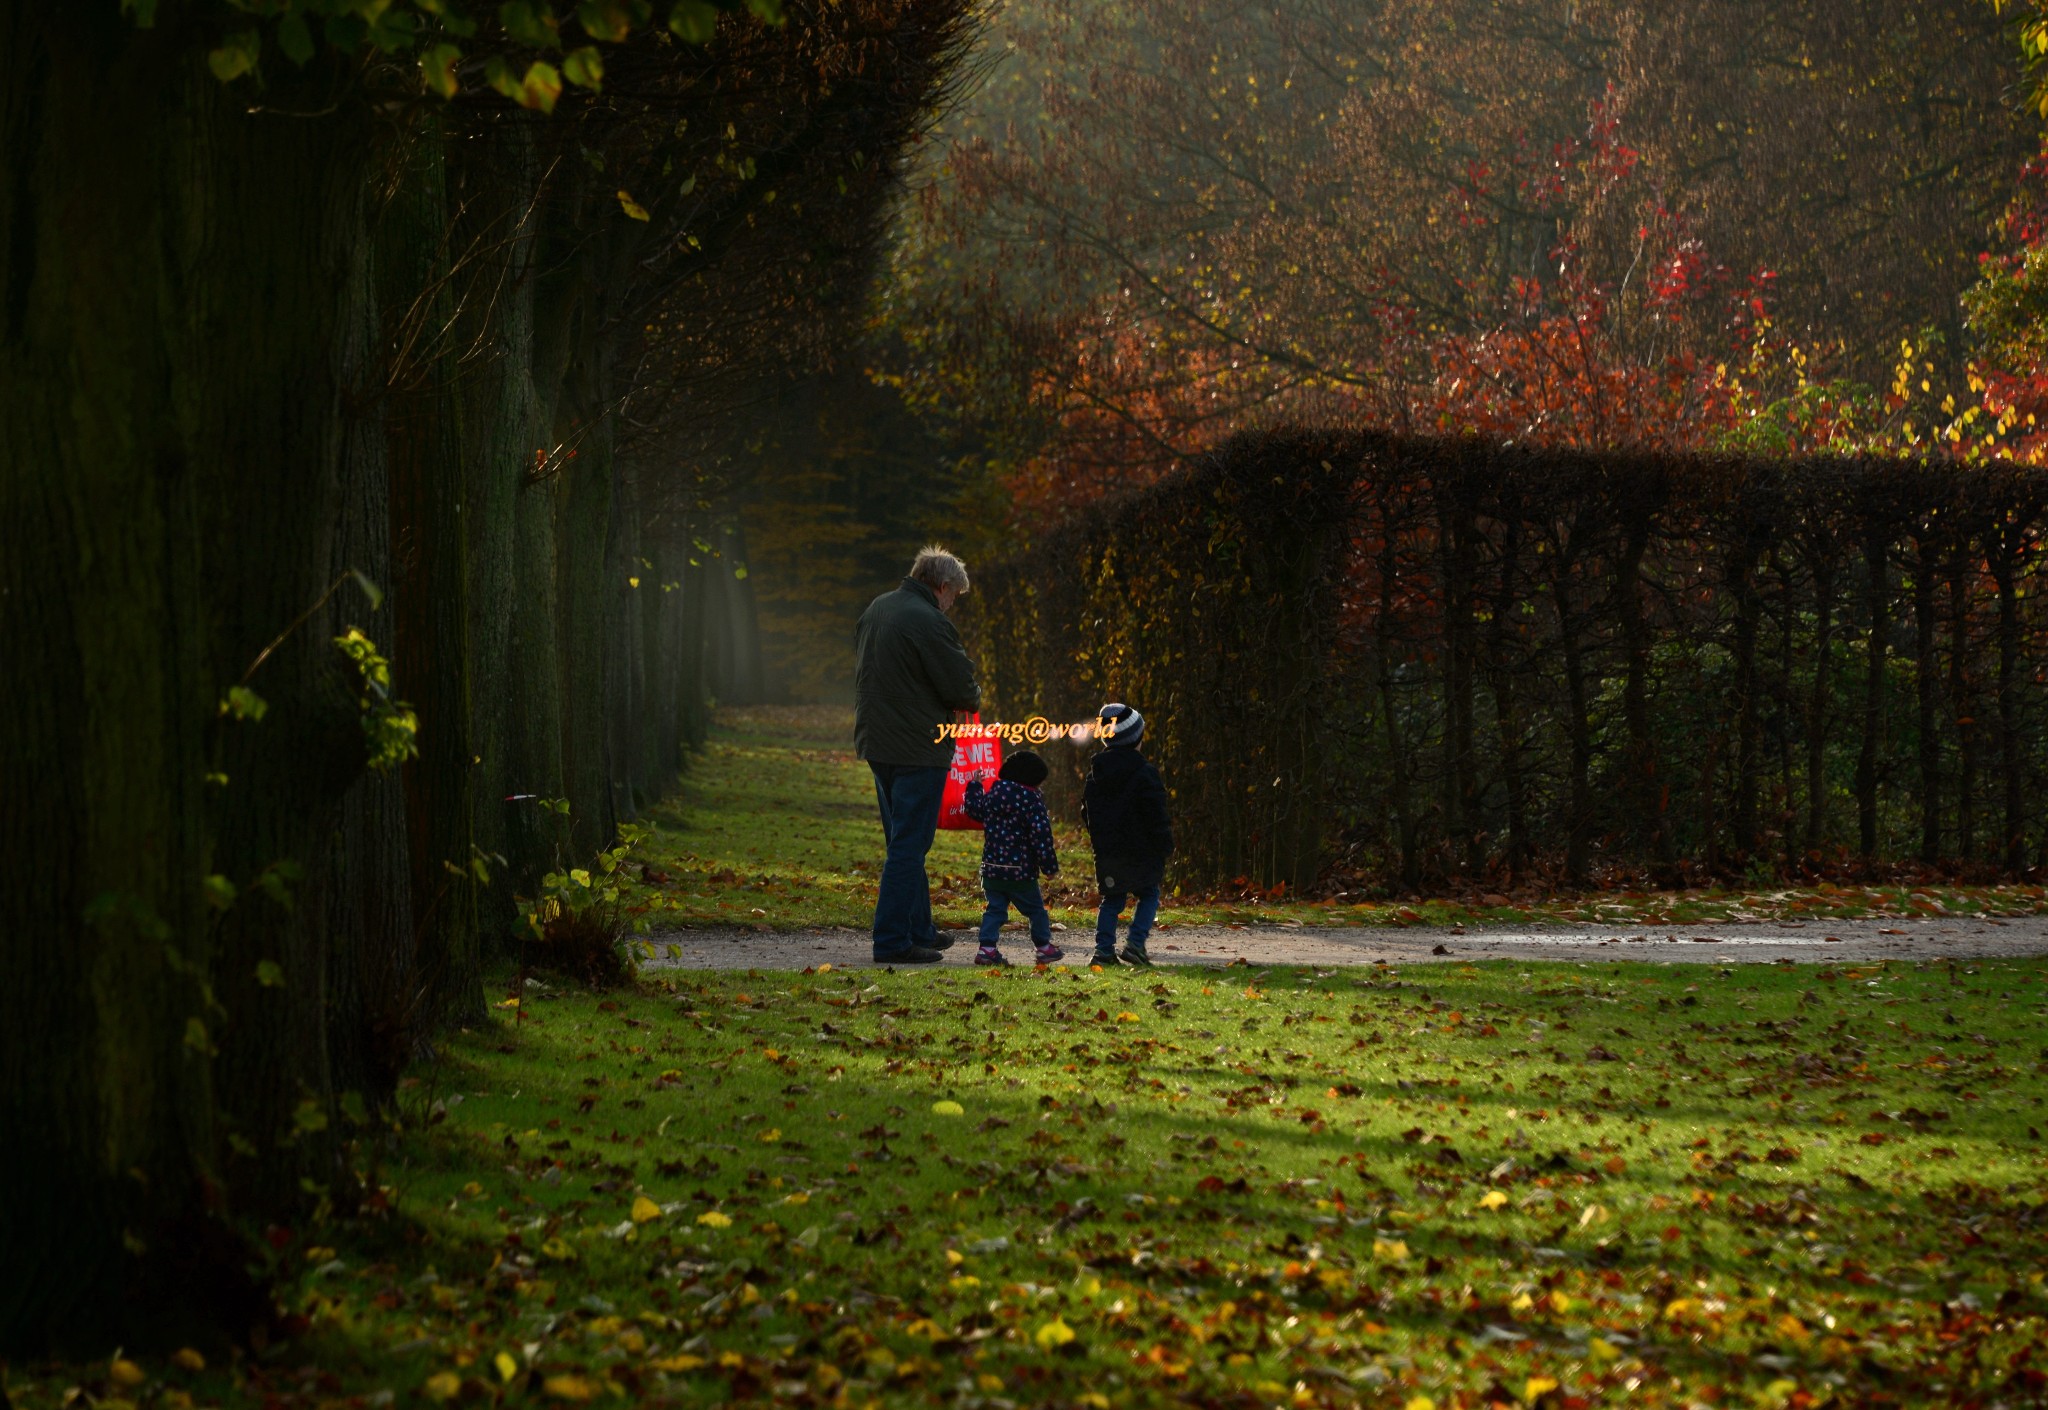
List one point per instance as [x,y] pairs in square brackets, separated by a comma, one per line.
[989,954]
[1049,953]
[1135,955]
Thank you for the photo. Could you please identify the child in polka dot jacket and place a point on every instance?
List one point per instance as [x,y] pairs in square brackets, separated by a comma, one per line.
[1016,847]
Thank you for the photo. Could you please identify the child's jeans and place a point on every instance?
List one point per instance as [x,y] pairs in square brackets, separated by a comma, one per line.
[1004,892]
[1141,918]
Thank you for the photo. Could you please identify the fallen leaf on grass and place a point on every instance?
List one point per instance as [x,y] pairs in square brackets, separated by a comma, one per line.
[442,1385]
[1053,1334]
[948,1109]
[569,1387]
[1492,1199]
[645,1209]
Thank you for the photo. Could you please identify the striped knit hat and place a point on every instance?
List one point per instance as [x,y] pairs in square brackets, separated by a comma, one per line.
[1119,725]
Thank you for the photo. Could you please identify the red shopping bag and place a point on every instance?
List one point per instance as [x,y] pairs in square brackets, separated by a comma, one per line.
[973,757]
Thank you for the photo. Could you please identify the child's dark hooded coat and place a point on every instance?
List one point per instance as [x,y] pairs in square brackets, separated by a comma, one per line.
[1126,809]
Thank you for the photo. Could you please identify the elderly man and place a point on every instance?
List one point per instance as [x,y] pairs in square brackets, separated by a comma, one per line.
[910,674]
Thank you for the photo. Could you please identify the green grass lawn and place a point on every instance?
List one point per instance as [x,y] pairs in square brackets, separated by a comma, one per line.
[775,827]
[1568,1184]
[1518,1183]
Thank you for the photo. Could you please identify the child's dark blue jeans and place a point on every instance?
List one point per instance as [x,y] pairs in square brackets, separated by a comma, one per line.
[1004,892]
[1141,918]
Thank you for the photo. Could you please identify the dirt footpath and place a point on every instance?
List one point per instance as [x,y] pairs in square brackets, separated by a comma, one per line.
[1720,943]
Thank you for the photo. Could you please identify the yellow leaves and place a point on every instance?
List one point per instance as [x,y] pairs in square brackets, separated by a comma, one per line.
[1679,1307]
[928,1329]
[633,209]
[771,1135]
[1793,1330]
[1593,1214]
[1390,1250]
[237,55]
[559,1249]
[569,1387]
[1537,1387]
[674,1364]
[442,1385]
[1052,1335]
[948,1108]
[797,1197]
[505,1366]
[1419,1402]
[1602,1350]
[437,67]
[1523,1303]
[123,1372]
[645,1209]
[714,1219]
[1127,1017]
[537,88]
[1559,1302]
[186,1359]
[1493,1199]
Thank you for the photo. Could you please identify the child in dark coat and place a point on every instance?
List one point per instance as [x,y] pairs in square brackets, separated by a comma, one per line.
[1016,846]
[1128,821]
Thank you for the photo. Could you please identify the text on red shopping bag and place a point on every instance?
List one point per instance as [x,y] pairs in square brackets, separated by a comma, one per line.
[972,759]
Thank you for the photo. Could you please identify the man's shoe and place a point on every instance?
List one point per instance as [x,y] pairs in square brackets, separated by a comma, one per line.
[916,954]
[938,940]
[1135,955]
[1105,958]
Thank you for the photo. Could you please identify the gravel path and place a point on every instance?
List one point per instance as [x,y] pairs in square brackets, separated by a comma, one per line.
[1721,943]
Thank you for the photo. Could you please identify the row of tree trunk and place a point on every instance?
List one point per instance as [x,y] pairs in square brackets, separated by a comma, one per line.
[275,367]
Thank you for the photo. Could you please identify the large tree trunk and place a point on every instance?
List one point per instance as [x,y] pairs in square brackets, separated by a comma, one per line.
[1928,689]
[171,269]
[1817,700]
[430,584]
[1877,605]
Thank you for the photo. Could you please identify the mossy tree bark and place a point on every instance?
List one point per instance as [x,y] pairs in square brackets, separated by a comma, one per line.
[170,267]
[430,567]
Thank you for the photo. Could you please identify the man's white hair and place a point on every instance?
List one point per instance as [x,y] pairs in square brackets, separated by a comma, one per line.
[936,568]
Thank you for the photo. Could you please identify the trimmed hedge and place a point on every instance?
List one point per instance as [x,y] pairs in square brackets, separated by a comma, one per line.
[1401,664]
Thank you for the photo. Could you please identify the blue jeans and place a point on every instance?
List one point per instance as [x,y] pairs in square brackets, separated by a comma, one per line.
[908,797]
[1004,892]
[1141,918]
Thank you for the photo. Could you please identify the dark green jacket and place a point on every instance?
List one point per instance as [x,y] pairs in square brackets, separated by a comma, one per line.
[910,673]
